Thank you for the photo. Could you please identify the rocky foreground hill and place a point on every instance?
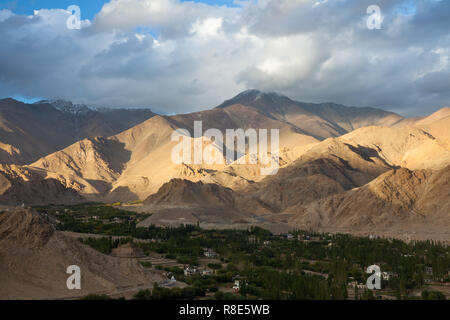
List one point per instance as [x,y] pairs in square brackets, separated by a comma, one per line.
[34,258]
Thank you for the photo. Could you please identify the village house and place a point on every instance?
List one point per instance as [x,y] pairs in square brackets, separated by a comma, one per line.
[307,238]
[388,275]
[354,284]
[252,239]
[209,253]
[207,272]
[236,286]
[188,271]
[116,220]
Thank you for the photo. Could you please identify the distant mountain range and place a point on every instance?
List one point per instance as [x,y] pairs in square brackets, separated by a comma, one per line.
[31,131]
[342,168]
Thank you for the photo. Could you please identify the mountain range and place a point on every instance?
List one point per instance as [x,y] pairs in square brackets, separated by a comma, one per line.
[352,169]
[31,131]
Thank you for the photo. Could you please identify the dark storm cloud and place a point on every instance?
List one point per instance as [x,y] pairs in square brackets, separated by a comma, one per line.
[185,56]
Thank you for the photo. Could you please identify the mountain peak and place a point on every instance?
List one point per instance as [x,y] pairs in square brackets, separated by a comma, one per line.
[253,96]
[67,106]
[9,100]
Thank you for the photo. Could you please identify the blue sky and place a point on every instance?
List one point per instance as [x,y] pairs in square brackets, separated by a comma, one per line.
[89,7]
[26,99]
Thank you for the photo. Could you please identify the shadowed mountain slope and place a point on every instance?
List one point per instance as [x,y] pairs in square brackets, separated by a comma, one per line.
[321,120]
[178,191]
[137,162]
[31,131]
[325,150]
[36,187]
[34,259]
[399,201]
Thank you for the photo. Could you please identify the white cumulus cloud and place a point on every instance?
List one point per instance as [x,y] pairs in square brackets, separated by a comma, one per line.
[183,56]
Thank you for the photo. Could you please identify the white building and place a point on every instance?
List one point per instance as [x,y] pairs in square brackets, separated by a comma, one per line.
[188,271]
[388,275]
[236,286]
[209,253]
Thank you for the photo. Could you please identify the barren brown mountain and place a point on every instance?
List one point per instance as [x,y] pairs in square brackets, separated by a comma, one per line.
[148,145]
[31,131]
[400,202]
[92,165]
[187,192]
[352,161]
[34,259]
[326,149]
[210,205]
[347,162]
[437,124]
[320,120]
[20,185]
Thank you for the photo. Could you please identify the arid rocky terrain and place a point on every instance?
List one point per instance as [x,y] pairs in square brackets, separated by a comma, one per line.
[363,171]
[341,168]
[34,257]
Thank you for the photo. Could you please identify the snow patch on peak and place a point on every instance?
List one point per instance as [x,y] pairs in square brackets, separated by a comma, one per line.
[68,106]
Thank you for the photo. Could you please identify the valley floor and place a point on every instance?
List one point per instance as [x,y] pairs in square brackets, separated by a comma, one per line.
[188,261]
